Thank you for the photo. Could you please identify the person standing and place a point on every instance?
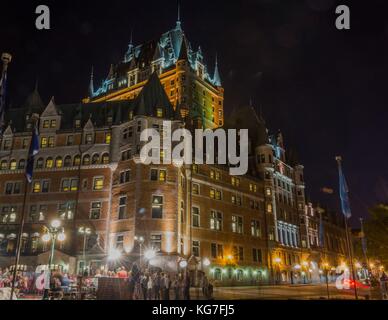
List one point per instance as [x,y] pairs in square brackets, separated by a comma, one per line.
[143,283]
[167,284]
[383,286]
[157,284]
[186,287]
[150,287]
[176,287]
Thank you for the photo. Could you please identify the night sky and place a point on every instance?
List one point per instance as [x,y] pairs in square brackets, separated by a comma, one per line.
[325,89]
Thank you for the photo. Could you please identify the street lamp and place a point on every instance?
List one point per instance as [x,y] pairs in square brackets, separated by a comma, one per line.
[140,240]
[53,232]
[85,232]
[304,268]
[326,269]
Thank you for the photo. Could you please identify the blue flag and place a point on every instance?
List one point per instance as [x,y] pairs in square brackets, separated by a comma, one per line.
[33,151]
[321,232]
[344,194]
[3,91]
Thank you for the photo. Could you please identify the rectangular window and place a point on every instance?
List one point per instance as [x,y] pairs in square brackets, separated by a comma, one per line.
[196,248]
[120,242]
[125,176]
[123,207]
[26,143]
[257,255]
[46,124]
[215,220]
[238,253]
[43,142]
[51,143]
[66,210]
[45,186]
[195,188]
[157,207]
[237,224]
[255,228]
[53,124]
[108,138]
[213,250]
[95,211]
[154,175]
[196,217]
[88,138]
[218,195]
[156,242]
[98,183]
[212,193]
[17,188]
[70,140]
[8,188]
[162,175]
[36,187]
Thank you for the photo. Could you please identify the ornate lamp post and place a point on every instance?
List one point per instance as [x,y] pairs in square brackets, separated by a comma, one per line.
[85,232]
[140,240]
[53,233]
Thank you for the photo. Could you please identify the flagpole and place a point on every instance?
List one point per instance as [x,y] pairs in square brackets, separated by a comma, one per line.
[350,257]
[20,236]
[22,221]
[339,159]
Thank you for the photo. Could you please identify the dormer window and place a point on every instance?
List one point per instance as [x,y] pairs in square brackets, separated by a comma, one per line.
[46,124]
[159,112]
[130,117]
[109,120]
[78,124]
[7,144]
[89,138]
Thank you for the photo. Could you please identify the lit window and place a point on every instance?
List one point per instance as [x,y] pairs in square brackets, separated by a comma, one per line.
[89,138]
[159,112]
[215,220]
[212,193]
[157,207]
[51,142]
[36,187]
[77,161]
[95,211]
[212,174]
[12,165]
[49,163]
[98,183]
[123,207]
[53,123]
[162,175]
[43,142]
[269,208]
[196,217]
[46,124]
[195,188]
[237,224]
[58,162]
[108,138]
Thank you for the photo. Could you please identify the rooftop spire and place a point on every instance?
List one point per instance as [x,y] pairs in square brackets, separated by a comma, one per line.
[216,77]
[178,21]
[91,84]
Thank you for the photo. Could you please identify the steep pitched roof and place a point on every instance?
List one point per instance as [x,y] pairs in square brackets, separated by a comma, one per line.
[152,97]
[51,109]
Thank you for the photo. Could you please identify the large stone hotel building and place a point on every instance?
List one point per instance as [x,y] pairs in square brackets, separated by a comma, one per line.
[256,228]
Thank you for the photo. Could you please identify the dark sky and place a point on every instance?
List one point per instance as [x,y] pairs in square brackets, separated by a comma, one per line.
[324,88]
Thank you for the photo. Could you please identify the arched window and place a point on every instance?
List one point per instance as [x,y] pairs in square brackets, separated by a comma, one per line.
[95,159]
[49,163]
[22,164]
[59,162]
[39,163]
[13,165]
[105,158]
[77,160]
[86,160]
[4,165]
[67,162]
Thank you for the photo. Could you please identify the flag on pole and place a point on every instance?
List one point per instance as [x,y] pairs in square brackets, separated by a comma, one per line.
[3,91]
[344,193]
[33,151]
[321,232]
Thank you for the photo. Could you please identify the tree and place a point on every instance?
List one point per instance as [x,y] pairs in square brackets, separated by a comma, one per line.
[376,233]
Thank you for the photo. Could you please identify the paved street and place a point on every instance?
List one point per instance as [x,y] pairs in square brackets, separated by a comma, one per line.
[286,292]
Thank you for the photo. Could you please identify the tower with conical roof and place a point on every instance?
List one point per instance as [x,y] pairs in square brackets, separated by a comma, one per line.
[187,80]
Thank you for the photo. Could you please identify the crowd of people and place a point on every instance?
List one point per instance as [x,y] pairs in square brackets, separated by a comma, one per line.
[158,285]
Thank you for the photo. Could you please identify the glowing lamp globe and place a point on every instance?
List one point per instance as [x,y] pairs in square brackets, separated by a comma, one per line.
[183,264]
[150,254]
[206,262]
[56,223]
[61,237]
[46,237]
